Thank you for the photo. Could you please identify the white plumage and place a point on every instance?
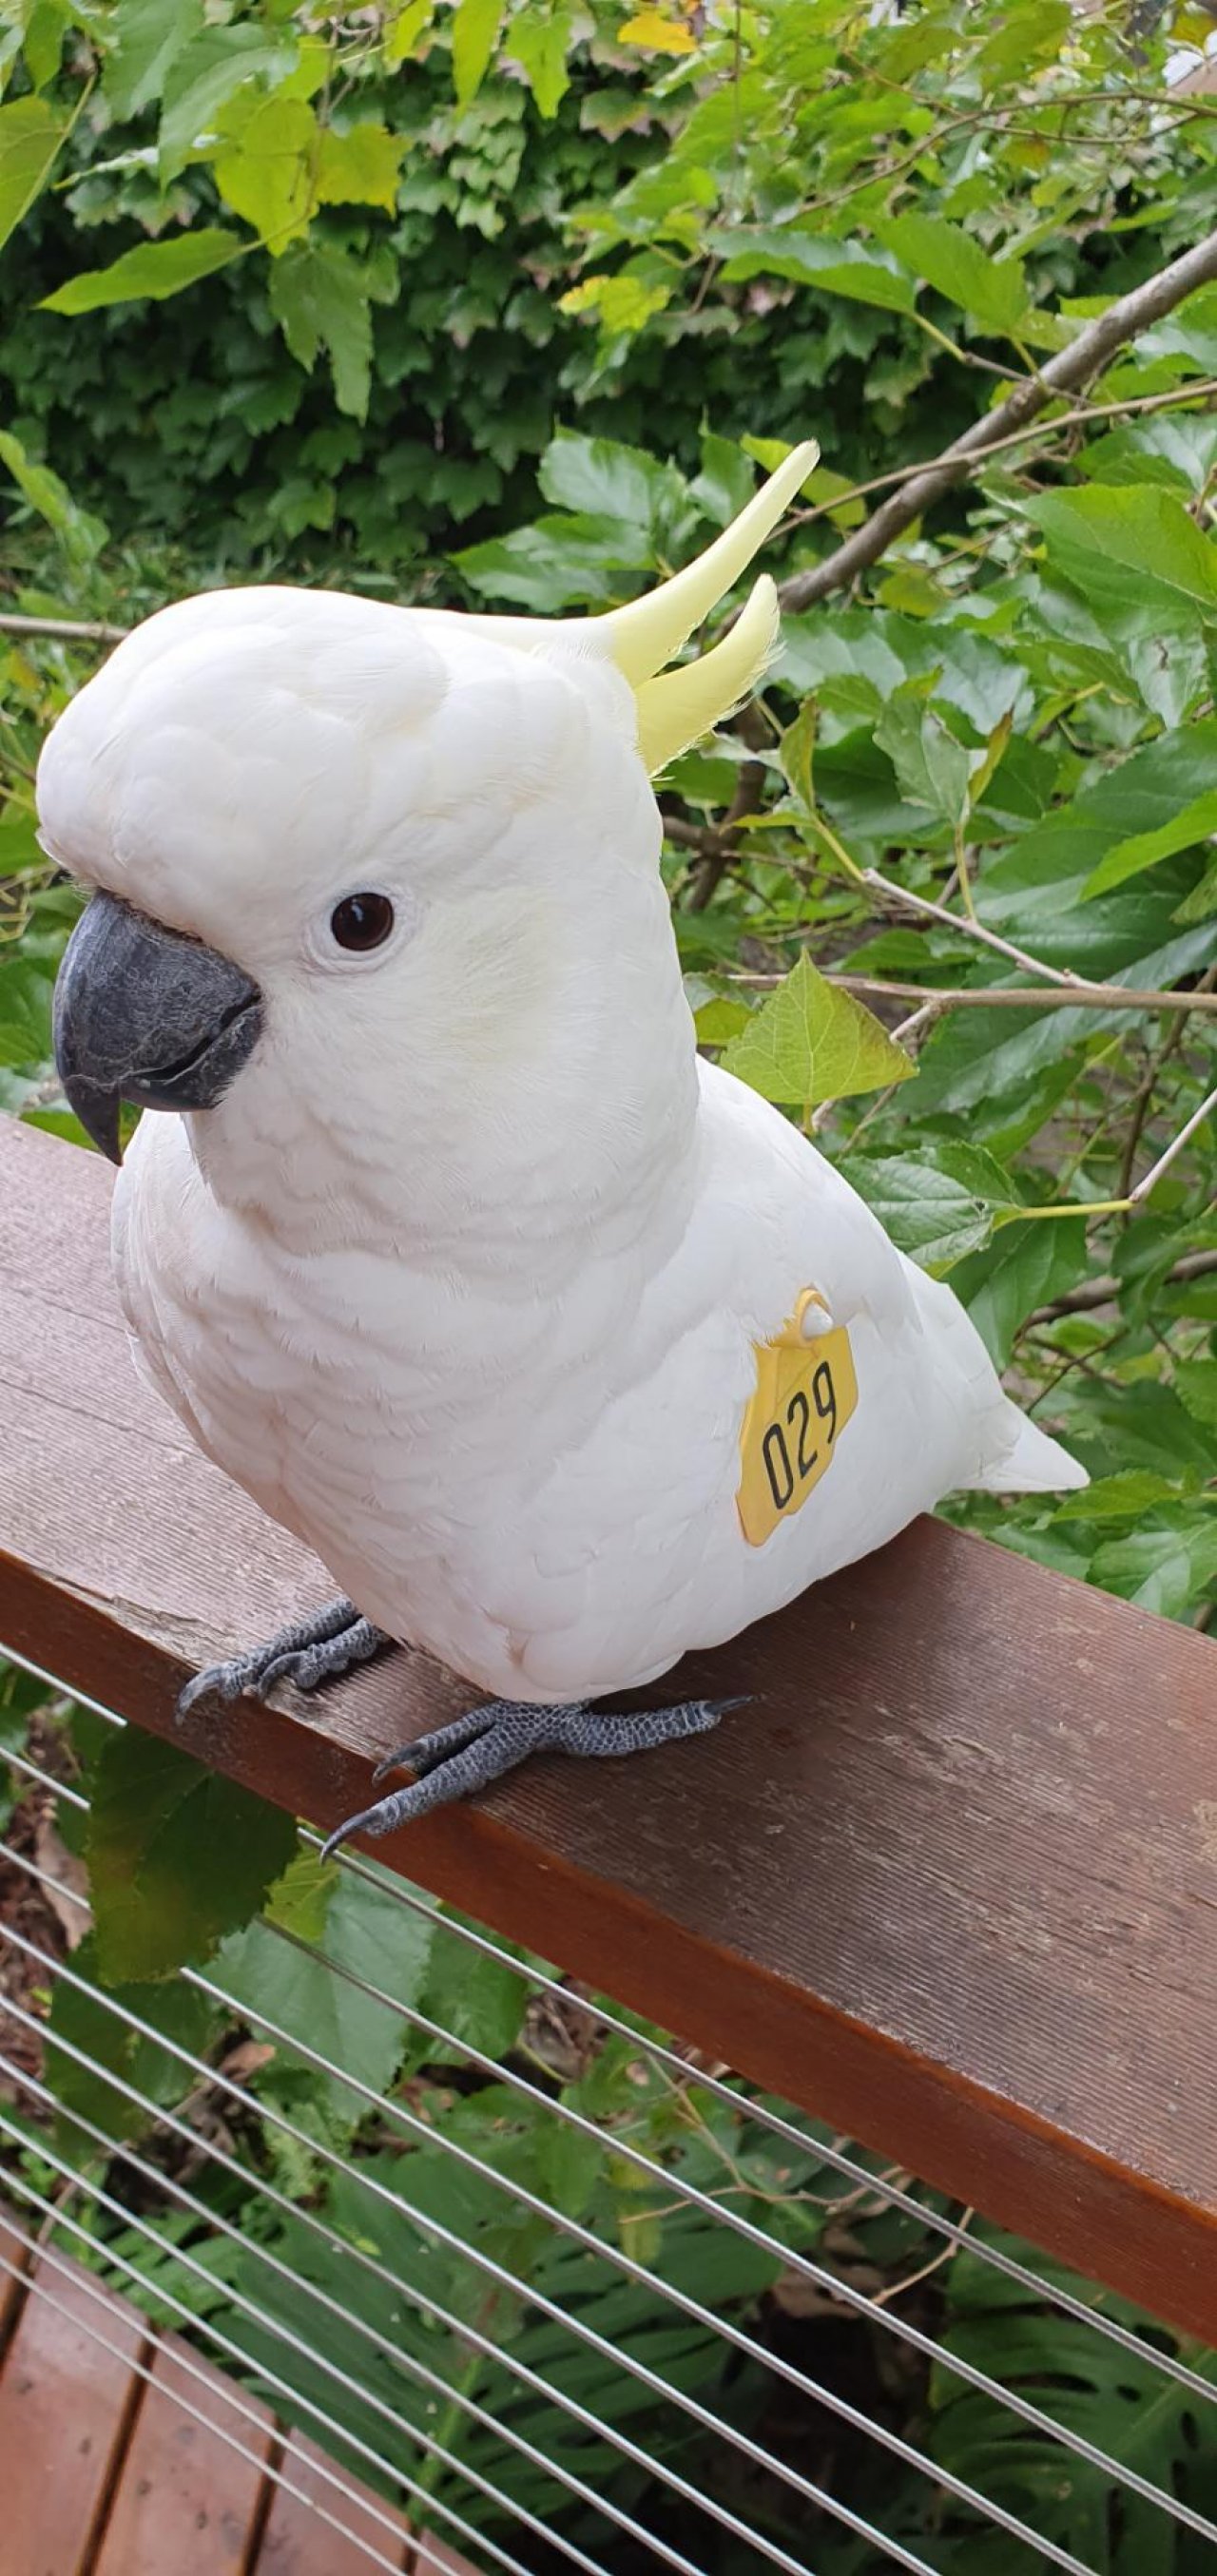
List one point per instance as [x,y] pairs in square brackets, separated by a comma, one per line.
[463,1277]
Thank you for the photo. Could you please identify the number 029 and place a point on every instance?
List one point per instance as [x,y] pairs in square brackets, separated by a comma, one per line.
[790,1449]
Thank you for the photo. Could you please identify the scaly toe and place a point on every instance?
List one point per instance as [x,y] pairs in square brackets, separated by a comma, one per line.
[219,1681]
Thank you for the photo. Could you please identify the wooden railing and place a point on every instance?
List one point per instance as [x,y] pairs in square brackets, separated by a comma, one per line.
[949,1881]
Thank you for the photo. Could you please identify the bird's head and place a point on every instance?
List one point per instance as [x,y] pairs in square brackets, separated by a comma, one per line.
[358,845]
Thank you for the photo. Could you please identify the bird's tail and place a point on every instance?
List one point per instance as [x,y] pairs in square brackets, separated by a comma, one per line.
[1004,1452]
[1033,1464]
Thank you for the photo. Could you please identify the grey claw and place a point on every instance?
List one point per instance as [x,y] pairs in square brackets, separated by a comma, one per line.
[363,1823]
[467,1755]
[308,1652]
[399,1761]
[215,1681]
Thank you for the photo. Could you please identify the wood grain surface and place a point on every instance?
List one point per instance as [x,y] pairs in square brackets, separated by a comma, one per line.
[187,2499]
[105,2471]
[949,1880]
[66,2408]
[296,2542]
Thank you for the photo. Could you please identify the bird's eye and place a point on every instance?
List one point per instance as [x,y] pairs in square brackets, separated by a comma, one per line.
[362,921]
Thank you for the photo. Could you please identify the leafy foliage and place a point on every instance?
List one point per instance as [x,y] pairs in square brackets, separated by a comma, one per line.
[476,218]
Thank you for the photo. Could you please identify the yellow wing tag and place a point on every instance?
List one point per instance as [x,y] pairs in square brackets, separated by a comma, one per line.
[806,1391]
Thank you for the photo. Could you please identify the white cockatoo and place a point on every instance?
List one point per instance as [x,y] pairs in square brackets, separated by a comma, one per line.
[562,1349]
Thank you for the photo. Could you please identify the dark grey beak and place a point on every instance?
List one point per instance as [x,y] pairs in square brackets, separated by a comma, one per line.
[146,1015]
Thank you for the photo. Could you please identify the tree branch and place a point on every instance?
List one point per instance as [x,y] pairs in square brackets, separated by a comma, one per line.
[1108,1290]
[749,792]
[1061,997]
[1065,373]
[1086,414]
[71,630]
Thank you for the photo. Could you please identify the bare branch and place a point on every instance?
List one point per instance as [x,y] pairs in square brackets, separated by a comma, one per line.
[1149,1180]
[966,928]
[70,630]
[1108,1290]
[1143,1097]
[1069,997]
[1065,373]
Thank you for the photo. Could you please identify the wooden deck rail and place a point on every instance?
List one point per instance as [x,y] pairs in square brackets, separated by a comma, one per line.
[949,1882]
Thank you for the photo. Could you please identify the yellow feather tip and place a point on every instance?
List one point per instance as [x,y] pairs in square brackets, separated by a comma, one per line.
[678,707]
[647,634]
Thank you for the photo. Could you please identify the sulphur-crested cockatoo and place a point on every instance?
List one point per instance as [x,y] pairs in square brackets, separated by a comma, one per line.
[562,1348]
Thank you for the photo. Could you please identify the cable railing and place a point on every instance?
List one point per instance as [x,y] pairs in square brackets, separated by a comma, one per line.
[363,2447]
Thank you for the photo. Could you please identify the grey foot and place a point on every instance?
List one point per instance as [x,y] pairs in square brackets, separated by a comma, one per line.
[307,1652]
[456,1761]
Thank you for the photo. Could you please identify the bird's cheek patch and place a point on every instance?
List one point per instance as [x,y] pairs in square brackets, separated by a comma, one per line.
[806,1391]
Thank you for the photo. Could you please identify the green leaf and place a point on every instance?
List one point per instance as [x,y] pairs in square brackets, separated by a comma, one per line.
[600,477]
[30,137]
[45,28]
[320,299]
[19,846]
[177,1857]
[360,167]
[625,301]
[571,2164]
[1165,1567]
[964,668]
[85,2018]
[1194,822]
[1196,1387]
[562,562]
[146,38]
[266,173]
[475,30]
[952,261]
[719,1020]
[932,768]
[797,752]
[367,1932]
[1123,1496]
[810,259]
[811,1042]
[480,2001]
[203,78]
[1100,535]
[80,535]
[927,1212]
[155,270]
[726,482]
[299,1901]
[407,29]
[1026,1266]
[539,44]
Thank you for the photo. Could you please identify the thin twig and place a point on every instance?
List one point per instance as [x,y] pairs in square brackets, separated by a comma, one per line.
[968,927]
[749,792]
[1149,1180]
[1084,997]
[1067,372]
[72,630]
[1092,1208]
[1108,1290]
[1143,1096]
[946,2254]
